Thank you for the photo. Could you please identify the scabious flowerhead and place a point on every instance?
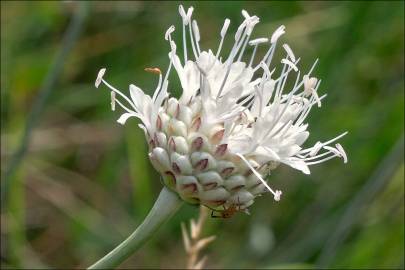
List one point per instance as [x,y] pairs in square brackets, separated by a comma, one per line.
[234,123]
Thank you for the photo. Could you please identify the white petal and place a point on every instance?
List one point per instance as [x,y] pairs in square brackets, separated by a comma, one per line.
[298,164]
[190,81]
[301,137]
[137,96]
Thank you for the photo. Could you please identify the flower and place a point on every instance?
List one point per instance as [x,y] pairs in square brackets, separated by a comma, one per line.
[234,122]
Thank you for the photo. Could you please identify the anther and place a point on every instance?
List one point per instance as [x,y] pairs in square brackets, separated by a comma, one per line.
[99,77]
[278,33]
[289,52]
[169,31]
[153,70]
[342,152]
[112,100]
[225,27]
[258,41]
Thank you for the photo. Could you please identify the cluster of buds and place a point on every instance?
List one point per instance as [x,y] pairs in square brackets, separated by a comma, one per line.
[234,122]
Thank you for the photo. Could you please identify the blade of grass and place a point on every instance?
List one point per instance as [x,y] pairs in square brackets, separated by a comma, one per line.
[71,35]
[378,180]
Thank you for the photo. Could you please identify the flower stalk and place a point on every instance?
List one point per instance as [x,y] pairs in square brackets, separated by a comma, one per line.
[165,206]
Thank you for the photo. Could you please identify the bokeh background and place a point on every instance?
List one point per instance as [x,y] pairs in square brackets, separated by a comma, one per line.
[83,182]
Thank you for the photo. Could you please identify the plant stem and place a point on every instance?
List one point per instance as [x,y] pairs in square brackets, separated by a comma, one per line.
[166,204]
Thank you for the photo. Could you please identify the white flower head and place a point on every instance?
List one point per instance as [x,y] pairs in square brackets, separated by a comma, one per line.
[234,122]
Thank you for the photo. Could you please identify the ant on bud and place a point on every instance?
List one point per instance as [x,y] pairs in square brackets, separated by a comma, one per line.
[228,212]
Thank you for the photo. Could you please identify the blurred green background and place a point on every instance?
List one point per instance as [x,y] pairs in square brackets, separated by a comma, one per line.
[85,183]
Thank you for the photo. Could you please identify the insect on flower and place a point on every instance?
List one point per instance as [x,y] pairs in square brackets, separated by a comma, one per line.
[236,120]
[228,212]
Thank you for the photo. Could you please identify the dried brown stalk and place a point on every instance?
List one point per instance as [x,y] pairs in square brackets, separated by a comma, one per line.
[193,243]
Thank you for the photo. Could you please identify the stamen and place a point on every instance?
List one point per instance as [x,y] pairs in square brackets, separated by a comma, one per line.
[258,41]
[126,109]
[173,46]
[225,27]
[308,108]
[185,22]
[318,156]
[251,24]
[123,118]
[277,194]
[238,33]
[315,149]
[189,13]
[322,160]
[309,84]
[336,138]
[245,14]
[274,123]
[120,93]
[156,71]
[325,143]
[197,35]
[183,14]
[289,63]
[278,33]
[266,69]
[168,72]
[289,52]
[243,48]
[269,54]
[184,43]
[333,150]
[168,33]
[223,33]
[281,84]
[313,66]
[297,80]
[253,55]
[112,101]
[296,87]
[342,152]
[190,28]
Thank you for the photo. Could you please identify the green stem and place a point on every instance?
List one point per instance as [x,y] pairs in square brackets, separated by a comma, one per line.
[166,204]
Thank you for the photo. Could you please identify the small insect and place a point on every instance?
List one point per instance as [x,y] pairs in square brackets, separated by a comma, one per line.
[228,212]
